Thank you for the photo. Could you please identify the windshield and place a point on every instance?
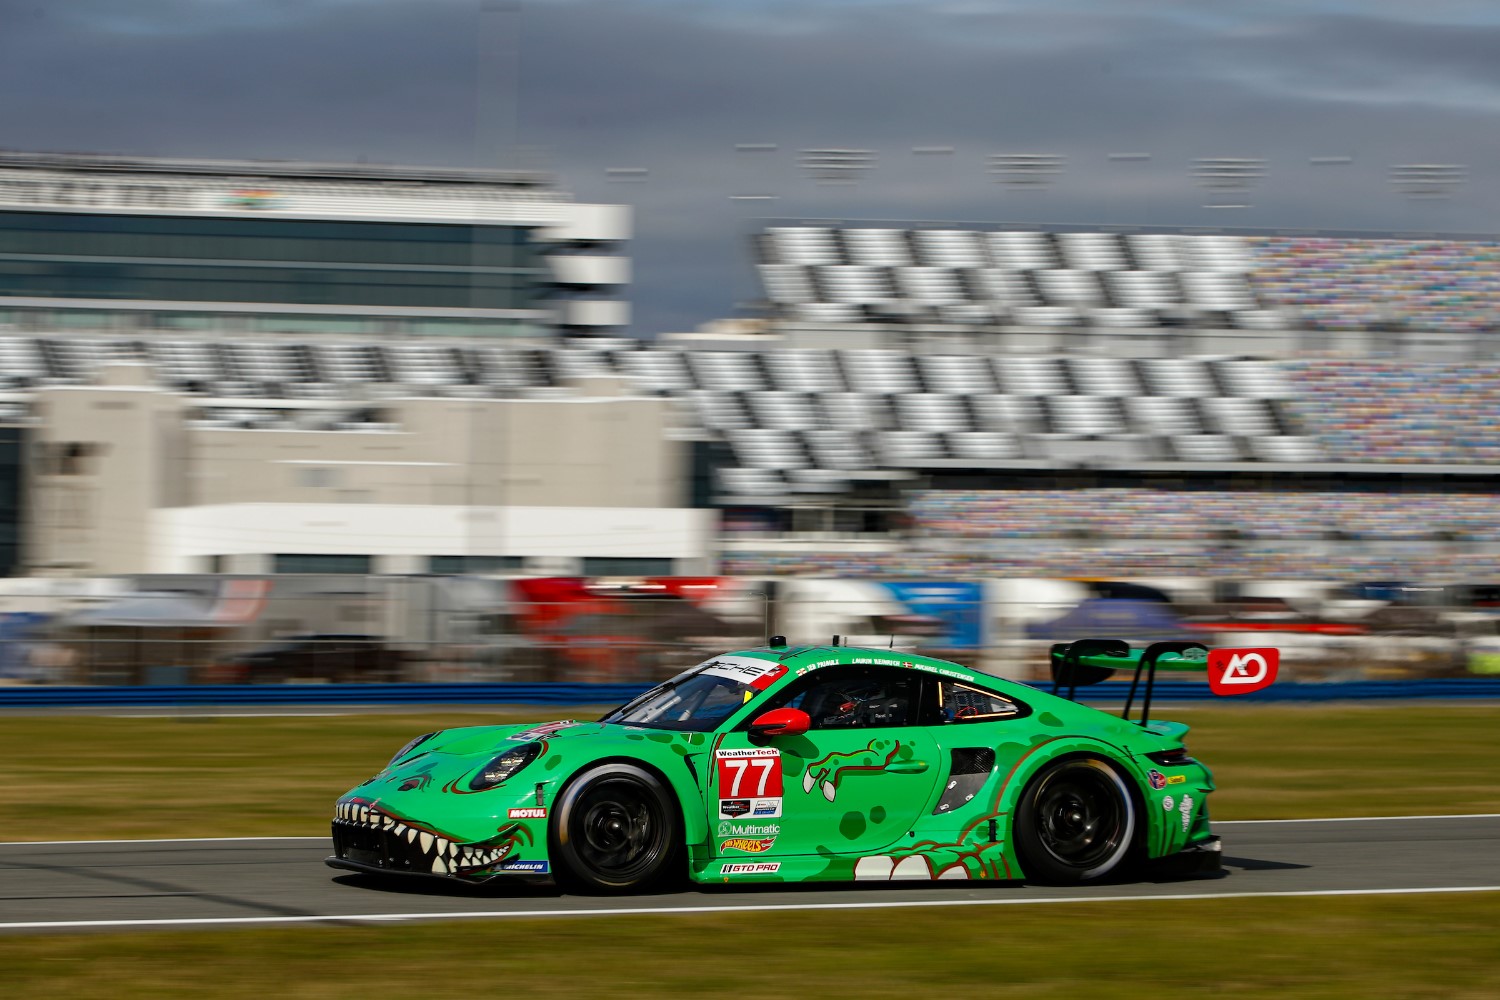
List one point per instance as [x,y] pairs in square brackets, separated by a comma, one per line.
[700,699]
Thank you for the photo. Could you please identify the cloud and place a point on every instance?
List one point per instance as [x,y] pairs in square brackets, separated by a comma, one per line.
[673,86]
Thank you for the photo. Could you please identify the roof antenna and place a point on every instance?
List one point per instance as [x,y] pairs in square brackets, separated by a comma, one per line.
[835,640]
[893,640]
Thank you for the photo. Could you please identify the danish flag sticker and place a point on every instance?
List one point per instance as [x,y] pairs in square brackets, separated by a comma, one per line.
[1241,671]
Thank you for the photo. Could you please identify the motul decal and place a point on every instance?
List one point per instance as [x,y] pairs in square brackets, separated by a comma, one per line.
[1241,671]
[528,812]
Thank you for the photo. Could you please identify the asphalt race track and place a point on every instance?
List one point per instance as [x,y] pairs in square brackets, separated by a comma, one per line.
[123,885]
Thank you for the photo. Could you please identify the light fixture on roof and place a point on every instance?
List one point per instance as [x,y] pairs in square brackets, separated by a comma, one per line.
[836,166]
[1428,180]
[1227,177]
[1025,169]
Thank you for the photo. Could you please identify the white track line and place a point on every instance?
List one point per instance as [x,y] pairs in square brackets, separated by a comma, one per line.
[618,911]
[1355,819]
[230,840]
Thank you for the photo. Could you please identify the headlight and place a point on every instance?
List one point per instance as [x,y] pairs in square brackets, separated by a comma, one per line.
[411,746]
[505,765]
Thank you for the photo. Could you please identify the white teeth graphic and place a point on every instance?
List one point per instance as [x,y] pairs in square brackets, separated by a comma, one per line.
[364,814]
[828,790]
[807,781]
[426,842]
[438,868]
[411,834]
[390,822]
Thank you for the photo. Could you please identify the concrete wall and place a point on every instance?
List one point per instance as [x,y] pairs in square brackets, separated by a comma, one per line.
[127,482]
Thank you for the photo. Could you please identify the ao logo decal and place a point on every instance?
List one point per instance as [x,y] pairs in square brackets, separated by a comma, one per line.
[1241,671]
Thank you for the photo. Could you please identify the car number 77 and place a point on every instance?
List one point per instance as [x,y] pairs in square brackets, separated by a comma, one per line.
[757,772]
[762,764]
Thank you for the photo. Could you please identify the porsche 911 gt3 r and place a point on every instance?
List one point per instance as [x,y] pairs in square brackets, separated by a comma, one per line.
[800,764]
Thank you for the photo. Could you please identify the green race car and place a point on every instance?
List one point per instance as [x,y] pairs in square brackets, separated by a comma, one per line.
[801,764]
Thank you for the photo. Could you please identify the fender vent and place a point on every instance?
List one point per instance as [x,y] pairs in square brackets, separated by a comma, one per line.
[970,769]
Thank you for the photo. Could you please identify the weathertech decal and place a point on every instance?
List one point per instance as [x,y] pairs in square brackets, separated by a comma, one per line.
[751,868]
[1241,671]
[529,812]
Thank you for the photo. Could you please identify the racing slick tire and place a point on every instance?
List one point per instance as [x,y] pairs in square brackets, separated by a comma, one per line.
[1076,822]
[615,829]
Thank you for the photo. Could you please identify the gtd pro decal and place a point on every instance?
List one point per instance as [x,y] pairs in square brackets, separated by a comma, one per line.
[1241,671]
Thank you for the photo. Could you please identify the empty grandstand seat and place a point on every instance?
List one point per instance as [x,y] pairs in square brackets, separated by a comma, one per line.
[1022,251]
[727,371]
[952,248]
[761,448]
[983,446]
[1092,251]
[789,411]
[803,245]
[804,371]
[929,411]
[877,247]
[879,371]
[900,449]
[964,374]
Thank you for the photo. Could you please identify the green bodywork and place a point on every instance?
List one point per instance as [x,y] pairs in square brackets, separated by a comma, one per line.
[855,803]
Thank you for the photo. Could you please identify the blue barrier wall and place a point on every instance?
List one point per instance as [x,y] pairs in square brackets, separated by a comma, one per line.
[1466,688]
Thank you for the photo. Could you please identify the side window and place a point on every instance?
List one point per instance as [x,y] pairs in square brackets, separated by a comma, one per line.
[965,703]
[856,697]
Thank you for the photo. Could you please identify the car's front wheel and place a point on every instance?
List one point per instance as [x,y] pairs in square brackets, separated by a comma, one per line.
[616,828]
[1076,822]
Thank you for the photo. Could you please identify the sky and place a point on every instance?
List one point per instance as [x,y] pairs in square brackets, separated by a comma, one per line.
[676,87]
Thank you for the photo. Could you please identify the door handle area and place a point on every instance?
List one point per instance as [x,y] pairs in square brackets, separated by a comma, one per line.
[907,767]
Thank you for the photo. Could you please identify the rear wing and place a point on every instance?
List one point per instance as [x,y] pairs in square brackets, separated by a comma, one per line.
[1089,661]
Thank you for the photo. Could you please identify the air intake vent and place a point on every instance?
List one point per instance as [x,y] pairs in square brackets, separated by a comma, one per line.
[973,760]
[970,770]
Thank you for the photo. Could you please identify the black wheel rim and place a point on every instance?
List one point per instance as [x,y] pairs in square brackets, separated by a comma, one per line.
[619,830]
[1081,816]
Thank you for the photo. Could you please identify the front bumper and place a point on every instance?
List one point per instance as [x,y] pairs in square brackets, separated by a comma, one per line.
[369,840]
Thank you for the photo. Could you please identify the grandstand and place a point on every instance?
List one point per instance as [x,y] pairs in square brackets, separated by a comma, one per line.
[999,455]
[1136,291]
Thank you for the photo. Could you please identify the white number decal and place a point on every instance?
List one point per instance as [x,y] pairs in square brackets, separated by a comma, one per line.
[765,764]
[738,767]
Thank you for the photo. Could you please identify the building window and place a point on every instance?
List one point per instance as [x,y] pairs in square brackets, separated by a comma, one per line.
[626,566]
[456,565]
[321,564]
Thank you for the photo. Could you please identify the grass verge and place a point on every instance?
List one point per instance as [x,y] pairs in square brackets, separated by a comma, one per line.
[77,777]
[1410,946]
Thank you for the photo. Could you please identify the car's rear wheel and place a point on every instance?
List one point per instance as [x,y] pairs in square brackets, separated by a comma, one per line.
[1076,822]
[615,829]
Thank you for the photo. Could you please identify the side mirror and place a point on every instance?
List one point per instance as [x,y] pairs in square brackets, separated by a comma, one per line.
[781,722]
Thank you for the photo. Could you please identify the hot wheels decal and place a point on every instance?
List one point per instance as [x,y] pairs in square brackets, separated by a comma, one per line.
[747,845]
